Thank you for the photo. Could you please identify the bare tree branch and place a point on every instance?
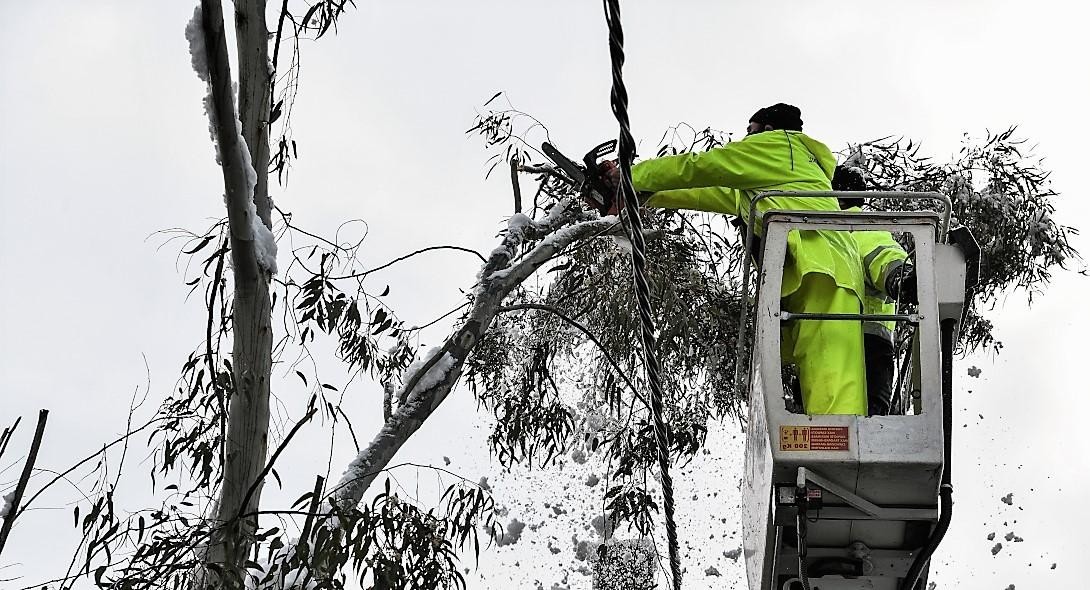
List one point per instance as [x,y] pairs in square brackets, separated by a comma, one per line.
[406,257]
[276,454]
[254,94]
[7,434]
[17,497]
[515,183]
[86,459]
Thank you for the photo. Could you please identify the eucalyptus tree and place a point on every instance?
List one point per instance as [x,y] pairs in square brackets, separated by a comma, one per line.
[546,340]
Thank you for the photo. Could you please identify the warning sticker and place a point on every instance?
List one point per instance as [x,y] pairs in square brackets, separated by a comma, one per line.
[813,438]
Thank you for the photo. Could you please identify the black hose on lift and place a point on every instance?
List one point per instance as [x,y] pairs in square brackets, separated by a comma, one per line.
[802,503]
[946,491]
[804,575]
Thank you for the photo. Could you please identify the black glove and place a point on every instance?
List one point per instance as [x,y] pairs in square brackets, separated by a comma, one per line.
[609,176]
[901,284]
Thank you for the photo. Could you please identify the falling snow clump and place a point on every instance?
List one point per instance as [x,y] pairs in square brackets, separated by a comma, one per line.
[582,548]
[974,371]
[513,534]
[7,504]
[1008,499]
[600,524]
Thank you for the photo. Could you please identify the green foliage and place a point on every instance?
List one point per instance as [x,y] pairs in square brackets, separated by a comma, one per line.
[328,300]
[298,21]
[1001,192]
[390,544]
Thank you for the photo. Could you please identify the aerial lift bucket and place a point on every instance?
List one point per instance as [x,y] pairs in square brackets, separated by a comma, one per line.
[864,498]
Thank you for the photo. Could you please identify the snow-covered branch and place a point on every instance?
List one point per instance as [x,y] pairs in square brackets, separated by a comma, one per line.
[429,382]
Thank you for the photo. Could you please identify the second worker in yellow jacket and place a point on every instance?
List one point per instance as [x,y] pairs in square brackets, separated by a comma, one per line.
[889,275]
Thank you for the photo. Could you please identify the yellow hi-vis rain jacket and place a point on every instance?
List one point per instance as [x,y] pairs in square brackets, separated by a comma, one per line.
[881,254]
[725,180]
[822,273]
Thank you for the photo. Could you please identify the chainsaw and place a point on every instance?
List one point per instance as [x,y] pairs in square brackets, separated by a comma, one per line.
[586,178]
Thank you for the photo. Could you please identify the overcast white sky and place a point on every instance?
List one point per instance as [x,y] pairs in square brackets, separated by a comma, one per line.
[103,142]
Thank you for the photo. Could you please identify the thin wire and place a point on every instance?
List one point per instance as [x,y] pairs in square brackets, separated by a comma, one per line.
[626,153]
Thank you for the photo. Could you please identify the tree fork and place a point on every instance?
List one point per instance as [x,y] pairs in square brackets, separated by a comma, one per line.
[248,412]
[24,479]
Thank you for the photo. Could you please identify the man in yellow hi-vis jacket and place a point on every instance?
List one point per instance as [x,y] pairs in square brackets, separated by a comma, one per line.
[822,272]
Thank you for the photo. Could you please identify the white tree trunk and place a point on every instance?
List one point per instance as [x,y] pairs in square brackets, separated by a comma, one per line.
[254,85]
[246,442]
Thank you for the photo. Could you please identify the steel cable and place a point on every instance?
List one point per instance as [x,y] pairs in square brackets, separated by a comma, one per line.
[626,152]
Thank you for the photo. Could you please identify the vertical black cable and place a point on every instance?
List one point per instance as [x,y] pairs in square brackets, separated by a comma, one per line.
[800,535]
[626,153]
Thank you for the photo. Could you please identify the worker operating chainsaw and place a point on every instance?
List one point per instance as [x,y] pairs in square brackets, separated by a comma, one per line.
[822,272]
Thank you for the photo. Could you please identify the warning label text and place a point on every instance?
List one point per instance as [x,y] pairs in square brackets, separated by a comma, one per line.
[814,438]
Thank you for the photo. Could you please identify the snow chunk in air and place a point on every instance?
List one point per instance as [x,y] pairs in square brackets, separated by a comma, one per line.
[513,534]
[6,504]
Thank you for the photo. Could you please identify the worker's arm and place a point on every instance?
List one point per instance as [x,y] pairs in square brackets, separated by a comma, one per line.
[742,165]
[714,199]
[881,255]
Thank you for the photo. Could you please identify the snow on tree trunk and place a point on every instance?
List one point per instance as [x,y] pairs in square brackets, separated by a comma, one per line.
[253,260]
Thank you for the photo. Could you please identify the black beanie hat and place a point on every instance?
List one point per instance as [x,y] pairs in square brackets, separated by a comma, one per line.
[779,116]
